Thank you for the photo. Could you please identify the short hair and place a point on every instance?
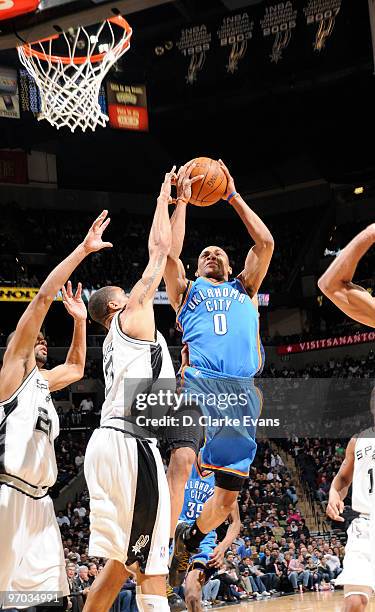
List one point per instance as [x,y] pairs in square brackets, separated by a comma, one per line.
[14,331]
[98,303]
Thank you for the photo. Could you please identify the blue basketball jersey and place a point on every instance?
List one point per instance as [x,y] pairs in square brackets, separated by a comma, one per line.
[197,490]
[220,325]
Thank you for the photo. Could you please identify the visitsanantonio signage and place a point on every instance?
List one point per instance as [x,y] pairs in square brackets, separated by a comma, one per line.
[326,343]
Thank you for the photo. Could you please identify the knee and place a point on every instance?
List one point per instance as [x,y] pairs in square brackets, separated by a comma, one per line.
[355,603]
[181,463]
[227,500]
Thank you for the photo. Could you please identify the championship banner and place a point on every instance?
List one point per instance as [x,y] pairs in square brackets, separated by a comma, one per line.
[21,294]
[326,343]
[262,43]
[9,100]
[127,106]
[13,167]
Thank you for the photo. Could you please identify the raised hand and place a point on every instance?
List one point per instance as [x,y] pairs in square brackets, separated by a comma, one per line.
[73,302]
[335,507]
[166,186]
[230,186]
[184,182]
[93,241]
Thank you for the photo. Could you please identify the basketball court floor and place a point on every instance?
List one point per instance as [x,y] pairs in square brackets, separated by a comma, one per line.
[308,602]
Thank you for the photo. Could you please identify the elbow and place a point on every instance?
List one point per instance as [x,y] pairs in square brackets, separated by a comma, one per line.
[324,285]
[161,247]
[267,243]
[77,373]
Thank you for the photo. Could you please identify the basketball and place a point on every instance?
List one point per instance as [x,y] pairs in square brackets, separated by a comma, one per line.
[212,187]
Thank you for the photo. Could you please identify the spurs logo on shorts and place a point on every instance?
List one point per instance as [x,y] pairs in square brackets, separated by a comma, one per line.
[140,543]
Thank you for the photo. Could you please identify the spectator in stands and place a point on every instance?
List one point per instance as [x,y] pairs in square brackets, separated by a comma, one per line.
[323,491]
[298,573]
[79,459]
[292,494]
[86,405]
[82,582]
[76,590]
[323,569]
[304,529]
[257,583]
[61,519]
[245,549]
[333,563]
[80,510]
[210,592]
[92,571]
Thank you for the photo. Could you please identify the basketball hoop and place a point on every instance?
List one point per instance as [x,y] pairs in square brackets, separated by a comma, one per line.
[69,69]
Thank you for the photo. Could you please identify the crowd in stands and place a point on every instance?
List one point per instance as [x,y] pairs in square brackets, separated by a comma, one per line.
[70,448]
[318,461]
[55,232]
[273,554]
[347,367]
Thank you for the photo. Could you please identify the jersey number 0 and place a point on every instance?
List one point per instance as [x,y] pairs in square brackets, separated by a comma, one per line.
[220,324]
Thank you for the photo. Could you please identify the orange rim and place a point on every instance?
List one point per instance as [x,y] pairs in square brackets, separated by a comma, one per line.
[118,20]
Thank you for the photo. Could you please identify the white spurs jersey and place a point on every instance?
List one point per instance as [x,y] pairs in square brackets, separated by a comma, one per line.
[28,427]
[128,364]
[364,472]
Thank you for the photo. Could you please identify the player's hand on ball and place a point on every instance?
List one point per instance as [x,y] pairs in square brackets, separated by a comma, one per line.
[230,185]
[217,557]
[184,182]
[335,507]
[166,186]
[93,241]
[73,302]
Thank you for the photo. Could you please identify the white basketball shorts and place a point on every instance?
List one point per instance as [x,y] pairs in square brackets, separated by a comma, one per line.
[32,557]
[129,500]
[358,568]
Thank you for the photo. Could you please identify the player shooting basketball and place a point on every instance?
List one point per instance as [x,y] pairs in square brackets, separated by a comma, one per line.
[220,324]
[32,557]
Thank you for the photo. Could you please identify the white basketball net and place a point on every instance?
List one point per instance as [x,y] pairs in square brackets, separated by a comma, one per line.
[69,90]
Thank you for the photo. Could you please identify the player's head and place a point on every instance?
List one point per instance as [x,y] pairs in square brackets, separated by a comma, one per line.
[105,302]
[40,348]
[213,262]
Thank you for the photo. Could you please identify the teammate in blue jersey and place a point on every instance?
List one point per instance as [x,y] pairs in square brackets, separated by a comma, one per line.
[203,564]
[220,325]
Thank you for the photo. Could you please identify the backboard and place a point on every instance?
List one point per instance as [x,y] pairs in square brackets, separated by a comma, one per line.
[52,16]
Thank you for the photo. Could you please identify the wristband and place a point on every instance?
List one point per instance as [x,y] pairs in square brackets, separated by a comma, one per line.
[231,195]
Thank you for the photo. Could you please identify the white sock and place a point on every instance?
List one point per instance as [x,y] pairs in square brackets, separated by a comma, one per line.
[151,603]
